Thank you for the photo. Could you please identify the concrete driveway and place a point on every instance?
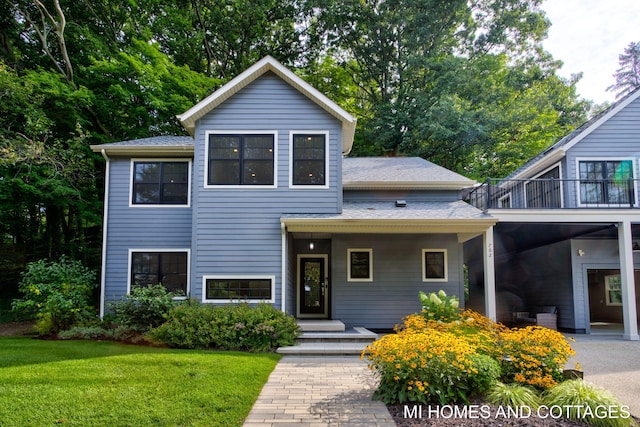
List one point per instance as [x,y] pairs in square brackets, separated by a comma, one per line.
[611,363]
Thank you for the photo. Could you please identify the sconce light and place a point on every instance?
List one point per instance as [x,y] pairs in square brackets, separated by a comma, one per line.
[311,246]
[580,252]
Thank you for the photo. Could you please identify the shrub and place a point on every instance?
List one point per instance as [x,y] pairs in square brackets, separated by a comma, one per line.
[230,327]
[533,355]
[575,396]
[429,366]
[513,395]
[144,308]
[57,293]
[87,333]
[439,306]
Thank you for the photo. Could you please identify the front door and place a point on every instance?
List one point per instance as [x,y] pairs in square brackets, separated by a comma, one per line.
[313,286]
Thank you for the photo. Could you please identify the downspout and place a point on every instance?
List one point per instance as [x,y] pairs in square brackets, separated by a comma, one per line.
[283,281]
[103,273]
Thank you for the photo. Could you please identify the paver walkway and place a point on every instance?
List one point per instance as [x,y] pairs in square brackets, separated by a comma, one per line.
[319,391]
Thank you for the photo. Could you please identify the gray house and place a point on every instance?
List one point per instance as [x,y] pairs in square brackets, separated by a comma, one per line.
[261,203]
[568,234]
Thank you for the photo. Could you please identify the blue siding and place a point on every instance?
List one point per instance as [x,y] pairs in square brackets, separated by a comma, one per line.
[237,231]
[397,277]
[137,227]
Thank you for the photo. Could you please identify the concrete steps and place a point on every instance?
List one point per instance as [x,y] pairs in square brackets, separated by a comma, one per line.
[329,339]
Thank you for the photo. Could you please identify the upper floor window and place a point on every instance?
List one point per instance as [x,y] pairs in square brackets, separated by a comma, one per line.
[434,265]
[160,182]
[545,190]
[166,268]
[309,163]
[608,182]
[241,159]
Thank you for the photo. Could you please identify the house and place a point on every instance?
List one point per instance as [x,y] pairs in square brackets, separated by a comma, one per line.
[261,204]
[568,231]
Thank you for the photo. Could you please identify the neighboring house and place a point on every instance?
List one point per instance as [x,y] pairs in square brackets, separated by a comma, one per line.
[568,234]
[261,204]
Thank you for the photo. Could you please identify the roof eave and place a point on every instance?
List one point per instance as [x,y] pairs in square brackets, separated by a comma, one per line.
[382,185]
[145,150]
[402,226]
[190,117]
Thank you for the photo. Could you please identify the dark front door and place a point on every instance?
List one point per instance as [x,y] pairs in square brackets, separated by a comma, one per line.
[313,286]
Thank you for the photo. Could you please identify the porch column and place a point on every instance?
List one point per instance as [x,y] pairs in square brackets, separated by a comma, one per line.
[629,313]
[489,275]
[283,273]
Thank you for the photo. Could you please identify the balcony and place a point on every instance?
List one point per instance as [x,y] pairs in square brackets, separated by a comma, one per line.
[554,194]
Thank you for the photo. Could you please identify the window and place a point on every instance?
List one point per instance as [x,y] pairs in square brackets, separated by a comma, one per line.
[613,288]
[544,191]
[243,160]
[434,265]
[167,268]
[234,288]
[606,182]
[309,159]
[360,265]
[160,182]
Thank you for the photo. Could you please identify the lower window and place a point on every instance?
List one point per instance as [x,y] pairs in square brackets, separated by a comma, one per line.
[166,268]
[434,265]
[238,288]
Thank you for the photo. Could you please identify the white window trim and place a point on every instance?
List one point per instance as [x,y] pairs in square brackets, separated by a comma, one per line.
[606,159]
[241,132]
[536,176]
[272,278]
[164,250]
[159,160]
[607,290]
[326,159]
[349,252]
[424,266]
[503,198]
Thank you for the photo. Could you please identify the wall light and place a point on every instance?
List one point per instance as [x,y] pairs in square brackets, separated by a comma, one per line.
[311,246]
[580,252]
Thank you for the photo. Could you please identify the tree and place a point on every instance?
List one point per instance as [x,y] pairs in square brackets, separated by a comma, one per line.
[628,75]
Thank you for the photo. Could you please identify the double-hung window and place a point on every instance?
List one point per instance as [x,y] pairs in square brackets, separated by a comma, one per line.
[434,265]
[160,182]
[168,268]
[606,182]
[241,159]
[308,158]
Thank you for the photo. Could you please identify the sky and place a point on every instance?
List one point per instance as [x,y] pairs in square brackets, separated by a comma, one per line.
[588,36]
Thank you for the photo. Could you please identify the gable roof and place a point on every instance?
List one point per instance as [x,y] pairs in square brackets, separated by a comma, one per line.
[558,150]
[361,173]
[266,64]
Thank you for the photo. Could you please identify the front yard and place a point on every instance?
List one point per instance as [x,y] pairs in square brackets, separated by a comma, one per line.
[88,383]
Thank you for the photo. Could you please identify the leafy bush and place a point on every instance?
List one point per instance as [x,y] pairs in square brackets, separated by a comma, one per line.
[144,308]
[578,395]
[229,327]
[534,355]
[57,293]
[513,395]
[429,366]
[439,306]
[87,333]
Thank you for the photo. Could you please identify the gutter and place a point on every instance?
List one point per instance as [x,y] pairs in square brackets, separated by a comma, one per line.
[103,273]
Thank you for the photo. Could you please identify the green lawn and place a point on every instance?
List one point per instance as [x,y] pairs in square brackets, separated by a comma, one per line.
[87,383]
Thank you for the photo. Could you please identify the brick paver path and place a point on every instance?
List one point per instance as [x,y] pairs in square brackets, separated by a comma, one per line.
[319,391]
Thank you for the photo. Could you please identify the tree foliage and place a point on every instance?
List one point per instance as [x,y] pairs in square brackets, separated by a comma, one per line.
[628,75]
[465,84]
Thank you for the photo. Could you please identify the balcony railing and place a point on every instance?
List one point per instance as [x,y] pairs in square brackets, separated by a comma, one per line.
[554,194]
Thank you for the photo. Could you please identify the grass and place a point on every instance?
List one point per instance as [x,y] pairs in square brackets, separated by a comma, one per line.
[88,383]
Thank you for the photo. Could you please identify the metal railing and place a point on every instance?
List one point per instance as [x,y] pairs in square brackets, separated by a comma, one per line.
[554,194]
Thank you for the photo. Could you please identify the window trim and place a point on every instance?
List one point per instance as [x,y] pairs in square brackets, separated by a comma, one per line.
[537,176]
[208,133]
[292,133]
[132,163]
[606,159]
[360,279]
[424,265]
[270,277]
[607,290]
[162,250]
